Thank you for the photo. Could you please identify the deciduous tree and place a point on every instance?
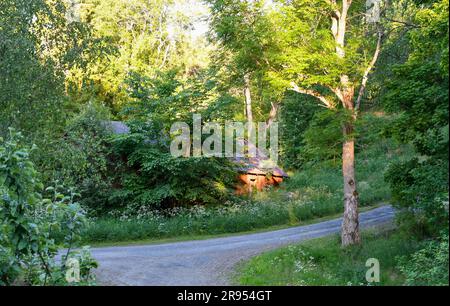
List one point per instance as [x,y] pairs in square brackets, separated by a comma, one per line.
[329,50]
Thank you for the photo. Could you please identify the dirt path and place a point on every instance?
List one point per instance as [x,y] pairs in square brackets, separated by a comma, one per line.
[207,262]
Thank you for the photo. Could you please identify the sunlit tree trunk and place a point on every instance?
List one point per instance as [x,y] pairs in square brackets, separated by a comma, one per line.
[350,224]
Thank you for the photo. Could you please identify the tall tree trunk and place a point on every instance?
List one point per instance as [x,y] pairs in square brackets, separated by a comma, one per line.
[248,103]
[350,223]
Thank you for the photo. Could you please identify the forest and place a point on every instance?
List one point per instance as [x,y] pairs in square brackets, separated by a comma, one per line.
[358,91]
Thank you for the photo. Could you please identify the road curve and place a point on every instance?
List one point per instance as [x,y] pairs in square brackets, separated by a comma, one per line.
[207,262]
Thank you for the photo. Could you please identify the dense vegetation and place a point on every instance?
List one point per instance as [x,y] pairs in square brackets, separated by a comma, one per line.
[315,192]
[355,98]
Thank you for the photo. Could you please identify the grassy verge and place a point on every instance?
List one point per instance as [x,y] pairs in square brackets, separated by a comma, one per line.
[322,261]
[153,240]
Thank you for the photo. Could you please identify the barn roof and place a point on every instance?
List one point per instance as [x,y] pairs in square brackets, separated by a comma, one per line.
[260,164]
[118,127]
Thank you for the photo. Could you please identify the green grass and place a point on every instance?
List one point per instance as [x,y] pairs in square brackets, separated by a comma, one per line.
[315,192]
[323,262]
[322,183]
[159,240]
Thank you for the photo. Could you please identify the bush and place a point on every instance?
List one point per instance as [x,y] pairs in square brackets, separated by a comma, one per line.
[32,228]
[152,177]
[420,191]
[418,92]
[80,157]
[429,265]
[323,137]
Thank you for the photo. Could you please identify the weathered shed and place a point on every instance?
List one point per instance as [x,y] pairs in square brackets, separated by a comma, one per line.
[258,171]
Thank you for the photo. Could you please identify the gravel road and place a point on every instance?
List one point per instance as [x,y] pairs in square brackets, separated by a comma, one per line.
[207,262]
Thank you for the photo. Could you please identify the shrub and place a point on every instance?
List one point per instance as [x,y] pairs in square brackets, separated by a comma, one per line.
[420,190]
[30,224]
[80,157]
[418,92]
[429,265]
[152,177]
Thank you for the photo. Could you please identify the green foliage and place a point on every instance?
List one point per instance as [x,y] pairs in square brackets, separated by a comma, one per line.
[296,114]
[308,49]
[419,89]
[142,38]
[395,50]
[30,223]
[323,179]
[80,157]
[38,46]
[420,189]
[371,128]
[419,92]
[142,62]
[246,43]
[153,177]
[150,175]
[242,29]
[18,197]
[323,137]
[320,138]
[427,266]
[168,97]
